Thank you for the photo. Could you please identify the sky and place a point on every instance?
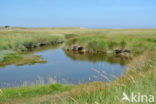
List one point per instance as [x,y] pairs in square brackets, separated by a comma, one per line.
[79,13]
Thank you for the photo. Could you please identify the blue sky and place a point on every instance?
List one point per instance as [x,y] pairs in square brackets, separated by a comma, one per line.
[79,13]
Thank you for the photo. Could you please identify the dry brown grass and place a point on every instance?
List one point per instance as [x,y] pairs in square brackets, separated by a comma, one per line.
[139,73]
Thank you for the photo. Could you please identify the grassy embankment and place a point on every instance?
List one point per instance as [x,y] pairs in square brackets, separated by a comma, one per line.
[141,76]
[107,40]
[14,42]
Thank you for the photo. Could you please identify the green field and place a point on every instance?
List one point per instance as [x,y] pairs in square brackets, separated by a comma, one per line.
[140,77]
[16,41]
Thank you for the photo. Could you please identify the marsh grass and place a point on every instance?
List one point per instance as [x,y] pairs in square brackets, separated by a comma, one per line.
[14,42]
[140,76]
[19,59]
[136,40]
[4,53]
[20,40]
[69,36]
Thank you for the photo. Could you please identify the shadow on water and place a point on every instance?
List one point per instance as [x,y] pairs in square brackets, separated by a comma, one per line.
[93,57]
[44,48]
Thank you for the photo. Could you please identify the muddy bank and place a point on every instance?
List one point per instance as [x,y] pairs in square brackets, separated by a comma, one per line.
[31,46]
[118,52]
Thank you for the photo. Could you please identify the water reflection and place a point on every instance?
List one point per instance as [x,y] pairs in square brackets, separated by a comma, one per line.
[92,57]
[63,67]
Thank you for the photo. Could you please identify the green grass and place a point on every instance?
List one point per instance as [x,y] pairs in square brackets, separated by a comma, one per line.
[139,79]
[9,94]
[4,53]
[69,36]
[138,43]
[140,76]
[20,40]
[10,57]
[15,42]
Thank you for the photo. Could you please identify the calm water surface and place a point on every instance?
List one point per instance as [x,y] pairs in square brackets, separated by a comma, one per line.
[63,67]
